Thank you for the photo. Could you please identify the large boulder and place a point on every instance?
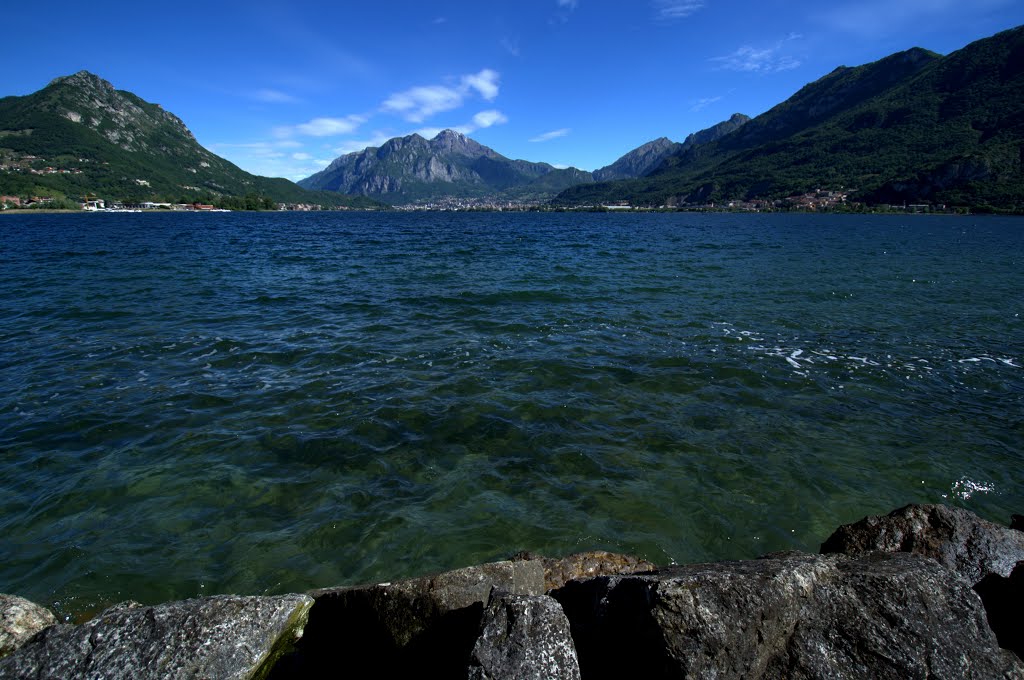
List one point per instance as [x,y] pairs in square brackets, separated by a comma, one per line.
[391,629]
[19,621]
[215,637]
[586,565]
[786,616]
[960,540]
[524,637]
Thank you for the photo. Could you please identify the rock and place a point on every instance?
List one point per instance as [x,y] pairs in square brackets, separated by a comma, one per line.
[968,545]
[1004,604]
[391,629]
[524,637]
[19,621]
[585,565]
[794,616]
[1017,522]
[214,637]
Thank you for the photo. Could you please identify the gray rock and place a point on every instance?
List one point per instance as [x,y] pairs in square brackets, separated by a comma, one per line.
[405,627]
[793,616]
[524,637]
[960,540]
[19,621]
[1004,604]
[215,637]
[585,565]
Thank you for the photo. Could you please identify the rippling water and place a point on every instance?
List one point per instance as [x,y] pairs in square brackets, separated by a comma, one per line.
[195,404]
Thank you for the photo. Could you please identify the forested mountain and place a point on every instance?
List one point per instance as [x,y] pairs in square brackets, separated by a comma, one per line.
[913,127]
[413,169]
[79,136]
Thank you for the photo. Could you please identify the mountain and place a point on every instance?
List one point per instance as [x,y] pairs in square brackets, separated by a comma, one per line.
[912,127]
[713,133]
[637,162]
[79,135]
[413,169]
[646,158]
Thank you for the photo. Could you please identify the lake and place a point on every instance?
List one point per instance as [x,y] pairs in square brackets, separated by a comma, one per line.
[260,403]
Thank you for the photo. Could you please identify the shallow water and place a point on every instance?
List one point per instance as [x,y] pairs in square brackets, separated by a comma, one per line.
[194,404]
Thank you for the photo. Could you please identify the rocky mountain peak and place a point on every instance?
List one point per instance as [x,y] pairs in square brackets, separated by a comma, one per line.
[83,80]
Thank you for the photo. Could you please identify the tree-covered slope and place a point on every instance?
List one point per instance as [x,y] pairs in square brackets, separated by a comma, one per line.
[81,136]
[912,127]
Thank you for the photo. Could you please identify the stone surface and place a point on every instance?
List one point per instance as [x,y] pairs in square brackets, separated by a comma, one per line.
[217,637]
[19,621]
[524,637]
[585,565]
[407,626]
[1004,605]
[960,540]
[791,616]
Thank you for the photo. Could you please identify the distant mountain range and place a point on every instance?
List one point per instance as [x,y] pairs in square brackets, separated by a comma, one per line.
[451,165]
[79,136]
[914,127]
[413,169]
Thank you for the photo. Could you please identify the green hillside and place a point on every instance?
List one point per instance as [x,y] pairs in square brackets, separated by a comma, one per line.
[913,127]
[80,136]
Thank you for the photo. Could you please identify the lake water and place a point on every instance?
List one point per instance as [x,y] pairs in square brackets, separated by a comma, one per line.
[258,403]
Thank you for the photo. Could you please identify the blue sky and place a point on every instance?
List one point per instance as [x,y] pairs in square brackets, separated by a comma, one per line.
[281,89]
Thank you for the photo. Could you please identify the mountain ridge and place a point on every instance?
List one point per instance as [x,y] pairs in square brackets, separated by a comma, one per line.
[91,138]
[450,165]
[912,127]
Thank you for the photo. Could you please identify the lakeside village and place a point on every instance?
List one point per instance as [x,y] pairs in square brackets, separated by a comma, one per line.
[815,201]
[819,200]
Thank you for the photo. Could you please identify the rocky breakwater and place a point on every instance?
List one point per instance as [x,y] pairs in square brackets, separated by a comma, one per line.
[926,591]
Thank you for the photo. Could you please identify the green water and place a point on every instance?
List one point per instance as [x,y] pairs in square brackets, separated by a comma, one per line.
[194,404]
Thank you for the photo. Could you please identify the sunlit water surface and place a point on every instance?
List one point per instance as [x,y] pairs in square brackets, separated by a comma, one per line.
[259,403]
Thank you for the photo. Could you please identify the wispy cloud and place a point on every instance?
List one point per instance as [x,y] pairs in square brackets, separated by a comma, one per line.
[329,127]
[565,8]
[354,145]
[439,20]
[751,59]
[862,18]
[668,10]
[419,103]
[702,104]
[510,45]
[548,136]
[270,159]
[486,119]
[273,97]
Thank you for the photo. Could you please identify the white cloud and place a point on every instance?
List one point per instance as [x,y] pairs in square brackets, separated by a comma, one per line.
[485,82]
[419,103]
[301,156]
[862,18]
[273,97]
[328,127]
[548,136]
[510,45]
[486,119]
[568,4]
[676,9]
[353,145]
[702,104]
[750,59]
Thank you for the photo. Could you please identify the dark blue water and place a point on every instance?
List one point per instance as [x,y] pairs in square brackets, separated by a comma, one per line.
[193,404]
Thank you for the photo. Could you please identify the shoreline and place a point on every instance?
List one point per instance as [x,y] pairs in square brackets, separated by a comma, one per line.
[924,590]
